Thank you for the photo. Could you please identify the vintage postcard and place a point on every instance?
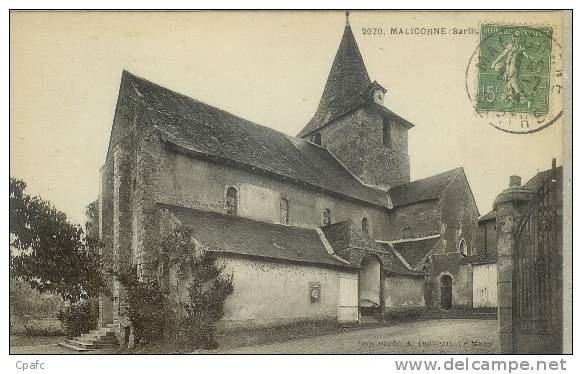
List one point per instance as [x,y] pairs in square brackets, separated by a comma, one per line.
[290,182]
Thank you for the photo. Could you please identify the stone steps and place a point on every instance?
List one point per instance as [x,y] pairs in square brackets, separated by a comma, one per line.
[104,337]
[72,347]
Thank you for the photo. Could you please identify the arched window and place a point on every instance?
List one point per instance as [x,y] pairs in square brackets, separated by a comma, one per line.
[284,211]
[386,132]
[317,138]
[231,201]
[365,225]
[406,233]
[463,248]
[326,217]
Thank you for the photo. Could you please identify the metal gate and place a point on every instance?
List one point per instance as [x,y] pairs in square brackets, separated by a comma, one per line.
[537,275]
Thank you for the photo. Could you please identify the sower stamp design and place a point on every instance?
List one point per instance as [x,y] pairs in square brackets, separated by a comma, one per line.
[514,69]
[514,78]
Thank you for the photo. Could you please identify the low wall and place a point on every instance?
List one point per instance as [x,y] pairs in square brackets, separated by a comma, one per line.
[402,291]
[268,293]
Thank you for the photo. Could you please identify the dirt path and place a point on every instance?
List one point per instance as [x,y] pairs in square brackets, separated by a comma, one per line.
[434,336]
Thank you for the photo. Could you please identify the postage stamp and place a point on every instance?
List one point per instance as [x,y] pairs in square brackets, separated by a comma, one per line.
[514,69]
[514,78]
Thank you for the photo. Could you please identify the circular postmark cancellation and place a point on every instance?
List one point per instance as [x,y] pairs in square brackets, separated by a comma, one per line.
[514,78]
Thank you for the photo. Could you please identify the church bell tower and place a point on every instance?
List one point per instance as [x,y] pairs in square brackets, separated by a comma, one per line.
[353,123]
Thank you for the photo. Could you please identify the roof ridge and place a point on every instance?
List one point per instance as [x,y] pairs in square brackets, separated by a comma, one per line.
[401,258]
[134,83]
[234,217]
[131,75]
[457,169]
[410,239]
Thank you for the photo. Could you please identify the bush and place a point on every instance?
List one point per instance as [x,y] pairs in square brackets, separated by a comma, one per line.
[195,325]
[146,310]
[77,318]
[208,292]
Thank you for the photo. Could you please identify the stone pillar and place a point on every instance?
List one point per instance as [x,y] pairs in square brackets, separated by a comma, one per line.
[122,216]
[510,206]
[106,237]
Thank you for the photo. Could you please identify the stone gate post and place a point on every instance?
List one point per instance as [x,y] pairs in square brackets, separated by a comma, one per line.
[510,206]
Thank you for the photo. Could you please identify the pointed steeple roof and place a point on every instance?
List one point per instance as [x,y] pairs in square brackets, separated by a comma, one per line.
[346,85]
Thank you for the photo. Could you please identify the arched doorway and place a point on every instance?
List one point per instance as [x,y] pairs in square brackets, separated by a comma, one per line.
[446,292]
[370,287]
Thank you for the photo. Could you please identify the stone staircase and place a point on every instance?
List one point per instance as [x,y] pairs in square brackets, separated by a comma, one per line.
[103,337]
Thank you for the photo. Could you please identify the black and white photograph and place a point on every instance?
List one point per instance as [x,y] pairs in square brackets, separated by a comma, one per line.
[290,182]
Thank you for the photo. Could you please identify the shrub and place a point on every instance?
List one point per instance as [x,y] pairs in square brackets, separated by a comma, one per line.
[207,292]
[146,310]
[77,318]
[195,327]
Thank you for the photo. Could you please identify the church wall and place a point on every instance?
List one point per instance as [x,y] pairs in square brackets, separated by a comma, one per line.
[459,221]
[459,216]
[357,140]
[198,183]
[269,293]
[422,217]
[106,235]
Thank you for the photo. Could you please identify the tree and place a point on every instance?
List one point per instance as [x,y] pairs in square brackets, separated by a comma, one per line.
[47,251]
[92,220]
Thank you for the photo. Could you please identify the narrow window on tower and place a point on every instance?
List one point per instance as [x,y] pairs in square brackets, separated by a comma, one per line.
[386,132]
[326,217]
[365,225]
[463,249]
[231,201]
[317,138]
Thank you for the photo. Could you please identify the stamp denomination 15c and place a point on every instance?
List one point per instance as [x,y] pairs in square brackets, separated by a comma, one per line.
[514,78]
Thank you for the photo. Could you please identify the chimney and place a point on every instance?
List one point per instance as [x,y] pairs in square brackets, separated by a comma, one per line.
[514,181]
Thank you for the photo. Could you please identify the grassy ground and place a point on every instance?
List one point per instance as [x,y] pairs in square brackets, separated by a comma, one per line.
[18,341]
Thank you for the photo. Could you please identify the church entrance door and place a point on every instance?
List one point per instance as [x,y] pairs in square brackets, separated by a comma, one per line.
[446,292]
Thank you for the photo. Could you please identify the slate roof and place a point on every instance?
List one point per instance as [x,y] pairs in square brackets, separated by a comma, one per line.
[423,189]
[413,250]
[345,237]
[201,129]
[242,236]
[346,84]
[345,234]
[489,216]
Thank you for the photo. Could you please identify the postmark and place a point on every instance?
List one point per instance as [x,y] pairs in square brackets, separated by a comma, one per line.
[514,77]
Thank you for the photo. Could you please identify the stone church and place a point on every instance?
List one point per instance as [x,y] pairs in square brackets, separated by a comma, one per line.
[322,226]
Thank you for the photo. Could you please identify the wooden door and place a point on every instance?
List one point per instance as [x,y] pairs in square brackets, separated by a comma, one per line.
[348,298]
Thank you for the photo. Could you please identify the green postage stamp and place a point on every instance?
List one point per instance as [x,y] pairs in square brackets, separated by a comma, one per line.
[514,69]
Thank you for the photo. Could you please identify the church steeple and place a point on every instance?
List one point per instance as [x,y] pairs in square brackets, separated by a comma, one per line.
[346,85]
[353,123]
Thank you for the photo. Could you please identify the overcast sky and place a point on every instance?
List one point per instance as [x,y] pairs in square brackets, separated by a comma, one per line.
[268,67]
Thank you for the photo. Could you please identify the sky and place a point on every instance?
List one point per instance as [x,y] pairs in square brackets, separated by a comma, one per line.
[267,67]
